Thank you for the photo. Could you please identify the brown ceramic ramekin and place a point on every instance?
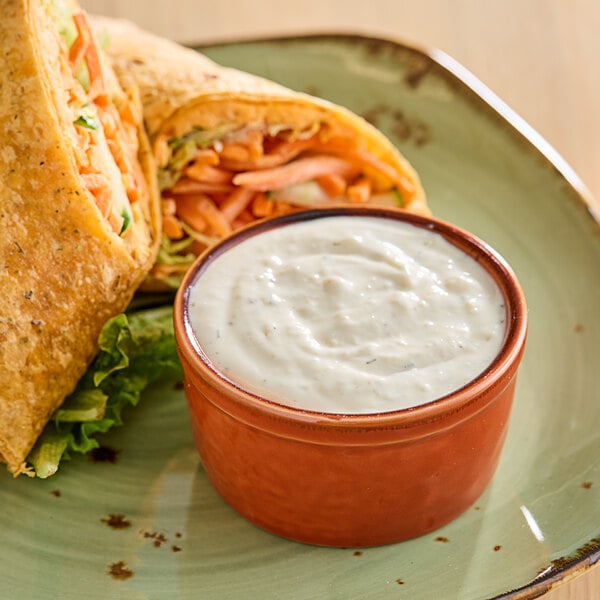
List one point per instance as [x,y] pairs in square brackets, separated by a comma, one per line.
[352,480]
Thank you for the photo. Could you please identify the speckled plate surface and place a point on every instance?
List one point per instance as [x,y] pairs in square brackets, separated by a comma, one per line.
[149,525]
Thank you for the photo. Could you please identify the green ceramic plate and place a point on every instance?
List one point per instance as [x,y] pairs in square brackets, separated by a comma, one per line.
[149,525]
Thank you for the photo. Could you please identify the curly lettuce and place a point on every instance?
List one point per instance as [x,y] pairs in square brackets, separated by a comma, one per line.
[136,349]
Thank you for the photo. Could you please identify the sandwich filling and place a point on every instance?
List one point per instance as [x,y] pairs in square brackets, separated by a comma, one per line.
[101,122]
[214,181]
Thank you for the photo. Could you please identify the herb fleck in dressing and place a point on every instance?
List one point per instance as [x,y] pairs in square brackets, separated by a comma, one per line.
[348,315]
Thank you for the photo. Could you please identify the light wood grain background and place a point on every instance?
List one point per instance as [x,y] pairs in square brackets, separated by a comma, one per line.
[540,56]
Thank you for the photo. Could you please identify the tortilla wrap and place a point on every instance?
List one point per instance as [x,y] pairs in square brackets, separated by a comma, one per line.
[184,92]
[65,270]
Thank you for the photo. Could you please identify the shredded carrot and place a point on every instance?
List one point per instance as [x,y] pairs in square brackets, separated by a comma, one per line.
[351,152]
[168,206]
[187,185]
[387,170]
[94,181]
[280,154]
[79,46]
[282,208]
[197,247]
[262,206]
[115,221]
[117,151]
[219,198]
[225,187]
[339,144]
[161,270]
[109,122]
[360,190]
[214,217]
[189,211]
[333,185]
[244,218]
[303,169]
[129,132]
[119,127]
[206,156]
[98,87]
[208,173]
[236,203]
[200,211]
[76,94]
[102,196]
[83,148]
[132,187]
[235,152]
[133,193]
[127,114]
[254,143]
[171,227]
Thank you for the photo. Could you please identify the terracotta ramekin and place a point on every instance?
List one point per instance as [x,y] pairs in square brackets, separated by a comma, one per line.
[352,480]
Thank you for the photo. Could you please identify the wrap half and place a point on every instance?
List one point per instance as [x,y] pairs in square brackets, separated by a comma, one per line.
[232,147]
[79,224]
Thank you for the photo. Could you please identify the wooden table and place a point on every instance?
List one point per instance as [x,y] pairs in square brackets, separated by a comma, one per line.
[540,57]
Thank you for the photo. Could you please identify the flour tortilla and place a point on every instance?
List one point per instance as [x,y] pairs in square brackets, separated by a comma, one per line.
[64,272]
[181,89]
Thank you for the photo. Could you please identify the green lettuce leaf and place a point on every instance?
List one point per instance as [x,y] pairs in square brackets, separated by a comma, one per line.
[136,349]
[183,150]
[88,117]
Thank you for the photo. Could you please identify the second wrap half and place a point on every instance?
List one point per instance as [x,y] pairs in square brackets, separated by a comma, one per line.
[232,147]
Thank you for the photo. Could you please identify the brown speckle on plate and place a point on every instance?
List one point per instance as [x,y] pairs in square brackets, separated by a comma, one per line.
[158,539]
[400,581]
[175,548]
[56,493]
[587,485]
[404,128]
[374,113]
[357,553]
[312,91]
[578,327]
[116,521]
[417,72]
[104,454]
[374,47]
[497,547]
[441,538]
[119,570]
[414,130]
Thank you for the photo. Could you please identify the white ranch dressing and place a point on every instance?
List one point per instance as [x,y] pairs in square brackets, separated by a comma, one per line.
[348,315]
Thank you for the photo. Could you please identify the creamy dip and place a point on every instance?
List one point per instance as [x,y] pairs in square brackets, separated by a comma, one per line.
[347,314]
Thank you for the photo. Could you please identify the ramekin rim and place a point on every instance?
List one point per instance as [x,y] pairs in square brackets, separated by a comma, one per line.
[509,353]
